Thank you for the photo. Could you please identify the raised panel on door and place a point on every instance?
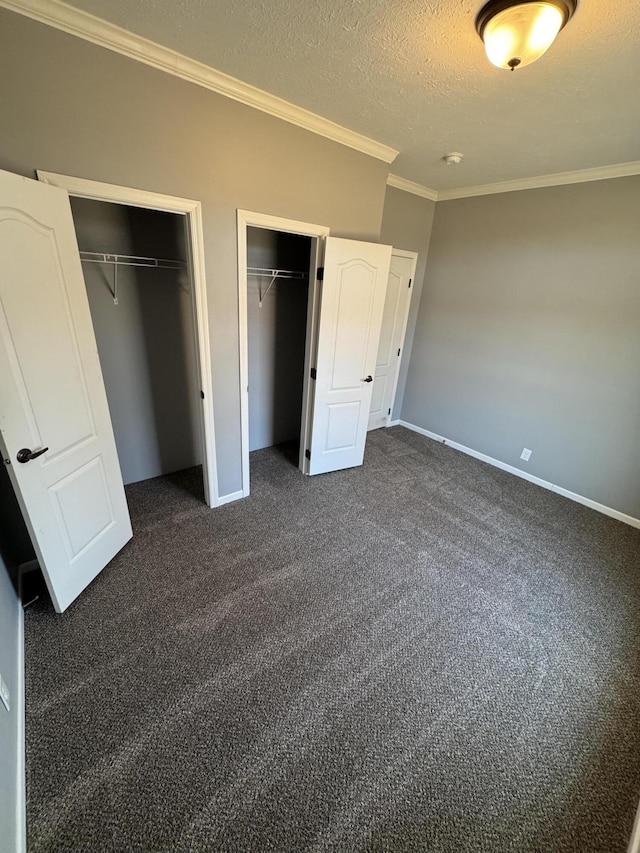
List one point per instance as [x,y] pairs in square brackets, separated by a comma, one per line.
[30,254]
[353,290]
[52,398]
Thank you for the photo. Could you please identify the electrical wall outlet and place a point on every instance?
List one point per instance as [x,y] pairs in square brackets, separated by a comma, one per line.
[526,454]
[4,693]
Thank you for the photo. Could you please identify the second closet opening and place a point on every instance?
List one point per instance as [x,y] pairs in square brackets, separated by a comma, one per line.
[278,331]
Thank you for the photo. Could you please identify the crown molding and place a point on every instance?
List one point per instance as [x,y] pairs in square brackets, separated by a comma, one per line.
[582,176]
[76,22]
[411,187]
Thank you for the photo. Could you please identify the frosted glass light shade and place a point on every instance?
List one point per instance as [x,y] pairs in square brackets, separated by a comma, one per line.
[519,34]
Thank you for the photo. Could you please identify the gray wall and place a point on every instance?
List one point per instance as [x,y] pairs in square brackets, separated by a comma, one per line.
[11,822]
[528,334]
[69,106]
[276,336]
[147,342]
[406,224]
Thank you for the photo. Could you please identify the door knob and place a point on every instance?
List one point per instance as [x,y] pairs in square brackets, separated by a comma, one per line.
[368,379]
[26,455]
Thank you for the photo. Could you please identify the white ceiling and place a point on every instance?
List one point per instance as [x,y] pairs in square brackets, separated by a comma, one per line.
[413,74]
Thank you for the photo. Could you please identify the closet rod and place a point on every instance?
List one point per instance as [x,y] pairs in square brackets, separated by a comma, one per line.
[130,260]
[274,275]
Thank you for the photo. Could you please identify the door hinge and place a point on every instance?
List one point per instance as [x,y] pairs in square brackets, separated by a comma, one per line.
[398,350]
[202,394]
[389,412]
[320,273]
[314,375]
[307,453]
[409,282]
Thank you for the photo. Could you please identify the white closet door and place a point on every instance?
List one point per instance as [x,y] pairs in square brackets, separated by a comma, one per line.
[394,325]
[351,305]
[55,429]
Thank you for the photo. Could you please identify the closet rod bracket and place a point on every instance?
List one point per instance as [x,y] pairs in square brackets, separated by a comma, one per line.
[115,285]
[262,295]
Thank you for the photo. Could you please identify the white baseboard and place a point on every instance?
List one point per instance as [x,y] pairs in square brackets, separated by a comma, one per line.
[634,841]
[232,496]
[21,780]
[605,510]
[394,423]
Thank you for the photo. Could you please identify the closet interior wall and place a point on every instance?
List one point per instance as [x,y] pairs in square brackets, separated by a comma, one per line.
[146,343]
[276,336]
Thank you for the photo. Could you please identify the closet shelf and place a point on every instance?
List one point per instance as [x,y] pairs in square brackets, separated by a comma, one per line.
[269,273]
[274,275]
[130,260]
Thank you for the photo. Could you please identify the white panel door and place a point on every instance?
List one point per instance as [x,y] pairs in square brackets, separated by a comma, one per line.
[53,406]
[394,324]
[351,304]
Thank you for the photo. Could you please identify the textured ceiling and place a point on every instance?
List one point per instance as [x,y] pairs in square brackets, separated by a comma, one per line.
[413,74]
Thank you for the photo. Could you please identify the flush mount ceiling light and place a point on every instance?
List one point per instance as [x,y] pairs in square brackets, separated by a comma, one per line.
[517,32]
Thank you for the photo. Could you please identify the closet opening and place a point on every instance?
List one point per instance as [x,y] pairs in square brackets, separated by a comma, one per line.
[278,273]
[137,272]
[278,308]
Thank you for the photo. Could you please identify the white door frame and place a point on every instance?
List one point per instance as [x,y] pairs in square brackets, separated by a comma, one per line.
[98,191]
[412,256]
[248,218]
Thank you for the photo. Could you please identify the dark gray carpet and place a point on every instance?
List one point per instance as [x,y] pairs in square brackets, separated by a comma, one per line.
[424,654]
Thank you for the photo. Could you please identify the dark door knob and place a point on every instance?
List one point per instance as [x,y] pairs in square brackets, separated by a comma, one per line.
[368,379]
[26,455]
